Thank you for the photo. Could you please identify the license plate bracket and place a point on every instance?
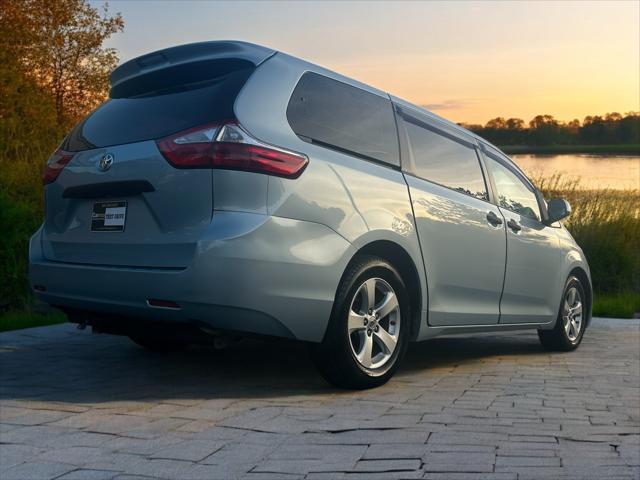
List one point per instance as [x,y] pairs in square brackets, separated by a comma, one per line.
[108,216]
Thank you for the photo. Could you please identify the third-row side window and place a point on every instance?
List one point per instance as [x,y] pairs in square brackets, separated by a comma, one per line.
[440,159]
[341,116]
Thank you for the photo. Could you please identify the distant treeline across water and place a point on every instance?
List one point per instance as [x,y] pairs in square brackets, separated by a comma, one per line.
[610,129]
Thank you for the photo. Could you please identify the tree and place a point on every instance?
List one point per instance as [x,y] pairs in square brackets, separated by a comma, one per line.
[62,50]
[544,130]
[27,111]
[613,117]
[497,123]
[629,130]
[593,130]
[515,124]
[542,121]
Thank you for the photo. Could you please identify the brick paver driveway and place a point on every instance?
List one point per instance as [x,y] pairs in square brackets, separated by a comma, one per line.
[81,406]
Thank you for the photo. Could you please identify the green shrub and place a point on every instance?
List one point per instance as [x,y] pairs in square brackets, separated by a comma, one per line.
[618,305]
[18,221]
[606,224]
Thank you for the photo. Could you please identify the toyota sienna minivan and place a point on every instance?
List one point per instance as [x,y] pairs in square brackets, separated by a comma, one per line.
[225,189]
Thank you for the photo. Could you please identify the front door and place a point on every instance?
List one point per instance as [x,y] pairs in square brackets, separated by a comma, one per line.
[533,252]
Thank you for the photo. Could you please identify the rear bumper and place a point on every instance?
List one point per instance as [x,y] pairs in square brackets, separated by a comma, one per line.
[250,273]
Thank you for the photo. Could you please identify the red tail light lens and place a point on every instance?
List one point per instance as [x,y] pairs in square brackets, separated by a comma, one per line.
[190,149]
[229,147]
[253,158]
[55,165]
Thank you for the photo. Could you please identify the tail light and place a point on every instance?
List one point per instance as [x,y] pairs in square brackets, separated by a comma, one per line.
[229,147]
[55,165]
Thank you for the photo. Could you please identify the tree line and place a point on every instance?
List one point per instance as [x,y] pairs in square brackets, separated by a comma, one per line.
[609,129]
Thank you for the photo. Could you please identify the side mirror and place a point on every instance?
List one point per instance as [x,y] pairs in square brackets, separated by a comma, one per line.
[557,209]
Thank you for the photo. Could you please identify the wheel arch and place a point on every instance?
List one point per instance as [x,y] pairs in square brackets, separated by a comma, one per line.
[401,259]
[582,275]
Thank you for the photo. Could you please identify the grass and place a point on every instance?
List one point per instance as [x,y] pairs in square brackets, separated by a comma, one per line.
[606,224]
[616,305]
[17,319]
[619,149]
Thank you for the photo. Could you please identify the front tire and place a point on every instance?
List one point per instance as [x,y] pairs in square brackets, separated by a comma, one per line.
[369,328]
[571,323]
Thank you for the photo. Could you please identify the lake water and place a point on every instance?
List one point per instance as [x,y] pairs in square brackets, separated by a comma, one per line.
[593,171]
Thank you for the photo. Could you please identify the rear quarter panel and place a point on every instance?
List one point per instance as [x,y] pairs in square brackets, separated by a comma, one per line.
[361,200]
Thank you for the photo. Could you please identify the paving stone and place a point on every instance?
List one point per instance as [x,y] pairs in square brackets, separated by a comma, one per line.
[84,474]
[11,455]
[467,438]
[121,462]
[452,465]
[364,475]
[6,427]
[466,459]
[368,437]
[401,465]
[75,455]
[512,461]
[350,453]
[160,468]
[240,453]
[390,451]
[217,472]
[131,477]
[141,446]
[524,449]
[271,476]
[302,466]
[470,476]
[193,450]
[42,435]
[489,406]
[155,428]
[36,470]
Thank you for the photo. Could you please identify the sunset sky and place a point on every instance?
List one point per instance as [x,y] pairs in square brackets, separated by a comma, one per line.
[467,61]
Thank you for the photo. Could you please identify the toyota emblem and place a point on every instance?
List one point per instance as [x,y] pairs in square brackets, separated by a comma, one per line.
[105,162]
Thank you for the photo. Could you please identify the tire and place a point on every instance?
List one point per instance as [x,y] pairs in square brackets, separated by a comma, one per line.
[355,355]
[569,330]
[157,344]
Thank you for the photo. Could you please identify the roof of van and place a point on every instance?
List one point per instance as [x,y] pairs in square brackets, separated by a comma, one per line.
[255,54]
[191,52]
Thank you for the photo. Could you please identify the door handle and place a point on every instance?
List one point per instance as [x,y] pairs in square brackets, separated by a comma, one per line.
[513,225]
[494,219]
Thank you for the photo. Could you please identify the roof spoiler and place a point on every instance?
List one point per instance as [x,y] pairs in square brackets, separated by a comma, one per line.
[183,54]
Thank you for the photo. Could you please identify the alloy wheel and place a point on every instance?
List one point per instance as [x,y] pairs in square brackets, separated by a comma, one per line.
[572,314]
[374,323]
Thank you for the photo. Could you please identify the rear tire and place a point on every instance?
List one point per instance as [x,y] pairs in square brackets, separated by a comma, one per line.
[368,332]
[571,322]
[157,344]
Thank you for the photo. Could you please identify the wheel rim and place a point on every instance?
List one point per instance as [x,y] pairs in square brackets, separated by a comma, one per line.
[374,323]
[572,314]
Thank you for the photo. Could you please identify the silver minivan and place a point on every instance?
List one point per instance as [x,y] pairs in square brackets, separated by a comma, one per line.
[227,189]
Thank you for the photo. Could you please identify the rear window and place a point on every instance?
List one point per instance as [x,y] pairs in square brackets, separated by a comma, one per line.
[340,116]
[162,108]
